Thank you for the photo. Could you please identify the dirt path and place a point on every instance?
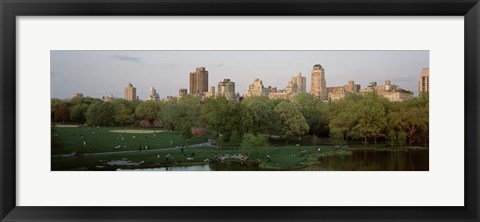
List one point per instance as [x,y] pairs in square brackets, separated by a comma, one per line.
[66,126]
[134,151]
[135,131]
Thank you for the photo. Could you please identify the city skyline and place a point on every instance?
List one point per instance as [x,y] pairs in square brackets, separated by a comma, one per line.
[100,73]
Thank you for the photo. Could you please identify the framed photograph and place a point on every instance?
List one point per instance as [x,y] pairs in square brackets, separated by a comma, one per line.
[305,126]
[248,111]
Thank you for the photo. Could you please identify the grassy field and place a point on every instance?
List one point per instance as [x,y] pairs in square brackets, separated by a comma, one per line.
[296,155]
[94,140]
[281,158]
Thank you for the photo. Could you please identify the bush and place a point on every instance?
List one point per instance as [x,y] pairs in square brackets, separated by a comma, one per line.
[145,123]
[402,138]
[251,142]
[235,138]
[336,137]
[199,131]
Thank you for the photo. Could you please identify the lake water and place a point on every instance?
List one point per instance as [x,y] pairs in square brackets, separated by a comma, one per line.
[360,160]
[365,160]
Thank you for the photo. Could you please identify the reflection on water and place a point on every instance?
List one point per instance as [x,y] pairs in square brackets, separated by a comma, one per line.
[368,160]
[236,166]
[360,160]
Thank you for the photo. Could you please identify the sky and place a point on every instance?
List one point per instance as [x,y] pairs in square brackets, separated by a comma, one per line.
[101,73]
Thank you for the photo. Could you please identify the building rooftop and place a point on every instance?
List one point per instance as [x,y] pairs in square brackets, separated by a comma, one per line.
[425,71]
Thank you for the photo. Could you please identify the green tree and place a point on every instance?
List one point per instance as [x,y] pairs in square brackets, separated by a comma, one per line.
[411,117]
[186,132]
[149,110]
[359,117]
[392,137]
[84,100]
[242,119]
[415,120]
[292,122]
[218,114]
[401,138]
[175,116]
[60,110]
[100,114]
[235,138]
[336,137]
[262,115]
[261,99]
[77,114]
[315,112]
[371,119]
[253,142]
[123,114]
[192,101]
[342,116]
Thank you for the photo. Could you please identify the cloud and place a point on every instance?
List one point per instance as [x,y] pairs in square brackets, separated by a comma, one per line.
[219,65]
[127,58]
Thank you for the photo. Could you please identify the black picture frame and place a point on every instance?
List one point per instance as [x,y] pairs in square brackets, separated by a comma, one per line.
[10,9]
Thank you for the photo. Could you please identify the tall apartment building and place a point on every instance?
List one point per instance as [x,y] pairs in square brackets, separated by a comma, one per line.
[424,81]
[300,82]
[319,85]
[109,98]
[182,92]
[271,89]
[199,81]
[76,95]
[339,92]
[292,87]
[152,95]
[256,89]
[130,93]
[390,91]
[281,94]
[352,87]
[297,85]
[211,93]
[226,88]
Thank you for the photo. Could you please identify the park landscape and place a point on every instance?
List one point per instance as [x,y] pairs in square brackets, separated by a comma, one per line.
[304,126]
[360,132]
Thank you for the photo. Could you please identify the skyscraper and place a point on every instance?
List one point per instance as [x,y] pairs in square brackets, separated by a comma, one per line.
[319,85]
[352,87]
[226,88]
[301,82]
[152,95]
[130,93]
[182,92]
[199,81]
[292,87]
[76,95]
[424,81]
[211,93]
[256,89]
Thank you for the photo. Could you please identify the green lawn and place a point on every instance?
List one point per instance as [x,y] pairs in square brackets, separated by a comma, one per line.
[281,158]
[278,156]
[102,140]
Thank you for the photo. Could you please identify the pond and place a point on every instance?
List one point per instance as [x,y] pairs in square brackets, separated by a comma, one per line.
[360,160]
[369,160]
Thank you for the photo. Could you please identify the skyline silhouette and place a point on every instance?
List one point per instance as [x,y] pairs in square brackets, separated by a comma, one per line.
[102,73]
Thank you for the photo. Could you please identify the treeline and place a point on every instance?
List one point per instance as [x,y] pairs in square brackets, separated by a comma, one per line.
[367,118]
